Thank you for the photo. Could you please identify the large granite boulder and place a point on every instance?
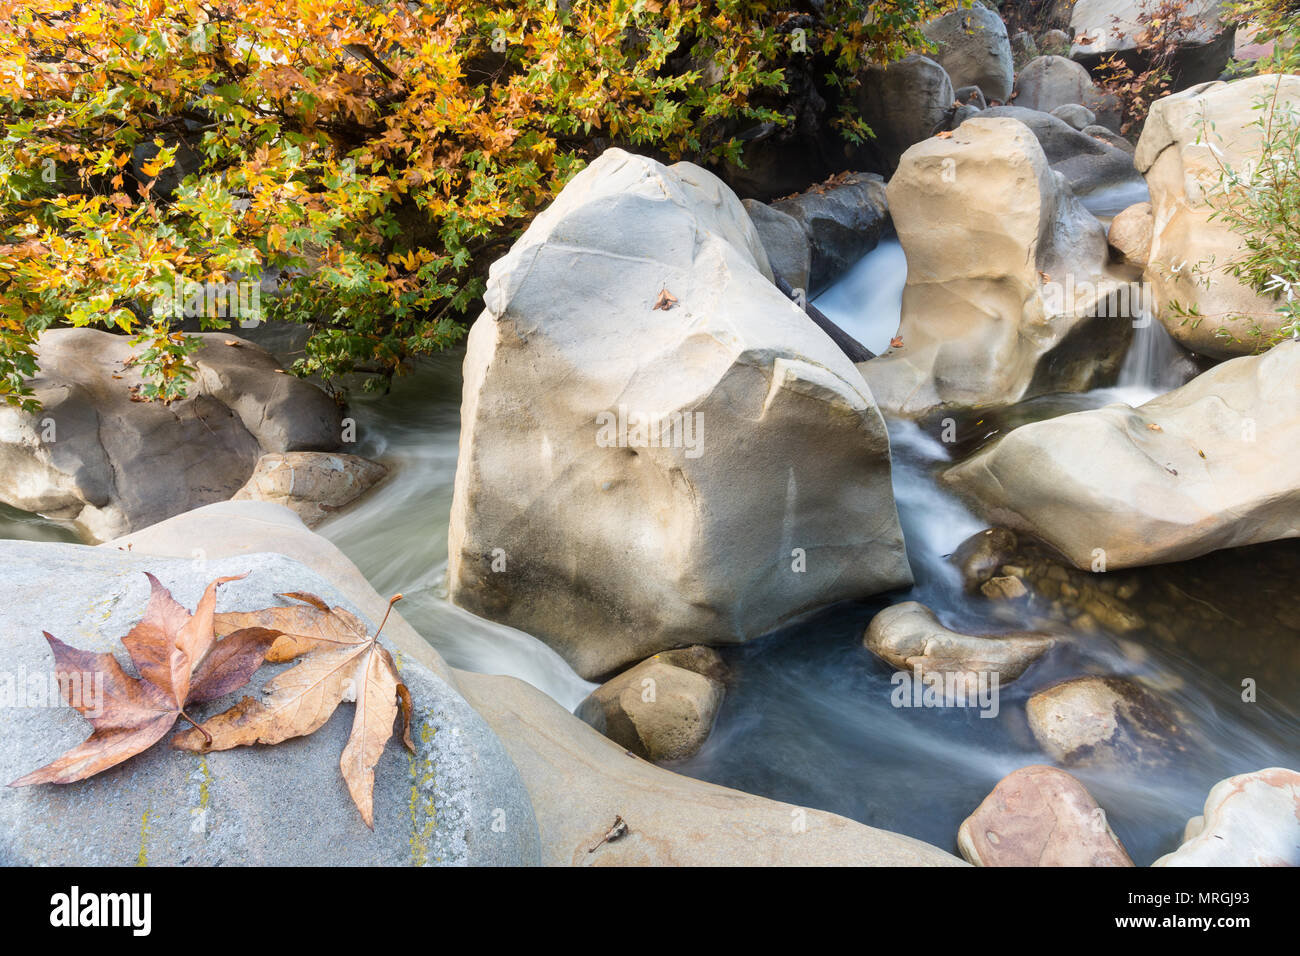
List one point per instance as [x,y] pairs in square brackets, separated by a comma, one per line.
[1089,163]
[904,103]
[636,391]
[457,799]
[1103,28]
[1252,819]
[110,463]
[1210,465]
[1186,138]
[972,45]
[843,219]
[1007,293]
[1040,816]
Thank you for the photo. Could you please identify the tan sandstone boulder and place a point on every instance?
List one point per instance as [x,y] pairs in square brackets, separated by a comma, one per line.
[661,709]
[1007,290]
[313,484]
[1207,466]
[1186,138]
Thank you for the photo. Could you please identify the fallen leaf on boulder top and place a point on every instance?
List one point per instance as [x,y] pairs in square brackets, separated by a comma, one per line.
[180,662]
[665,301]
[343,663]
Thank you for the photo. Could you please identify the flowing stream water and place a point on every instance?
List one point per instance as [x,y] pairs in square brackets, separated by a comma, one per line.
[808,717]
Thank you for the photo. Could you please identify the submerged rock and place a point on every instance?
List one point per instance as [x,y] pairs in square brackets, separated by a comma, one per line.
[1103,721]
[909,636]
[1040,816]
[313,484]
[1252,819]
[1209,465]
[614,454]
[1007,293]
[663,708]
[96,456]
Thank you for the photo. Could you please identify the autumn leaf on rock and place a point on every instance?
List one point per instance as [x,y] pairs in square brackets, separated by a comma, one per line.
[665,300]
[343,662]
[180,662]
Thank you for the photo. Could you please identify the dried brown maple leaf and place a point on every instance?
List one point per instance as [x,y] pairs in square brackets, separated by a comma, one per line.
[665,301]
[343,662]
[180,663]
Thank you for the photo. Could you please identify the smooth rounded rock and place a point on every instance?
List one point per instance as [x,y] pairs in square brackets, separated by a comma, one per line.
[1040,816]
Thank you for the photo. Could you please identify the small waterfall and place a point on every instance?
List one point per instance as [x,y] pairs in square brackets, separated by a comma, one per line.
[867,301]
[1154,364]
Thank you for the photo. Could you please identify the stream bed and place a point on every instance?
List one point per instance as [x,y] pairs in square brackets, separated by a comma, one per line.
[808,717]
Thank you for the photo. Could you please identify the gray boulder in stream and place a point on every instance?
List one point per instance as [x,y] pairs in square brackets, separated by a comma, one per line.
[659,449]
[457,799]
[1207,466]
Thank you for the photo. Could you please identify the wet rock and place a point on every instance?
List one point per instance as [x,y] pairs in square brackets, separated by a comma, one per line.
[1104,721]
[908,636]
[786,244]
[843,219]
[1252,819]
[659,709]
[1040,816]
[1004,588]
[313,484]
